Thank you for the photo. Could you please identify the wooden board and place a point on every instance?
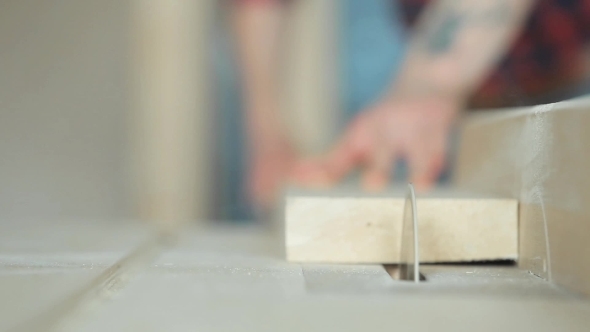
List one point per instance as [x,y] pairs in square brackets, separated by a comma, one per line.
[368,229]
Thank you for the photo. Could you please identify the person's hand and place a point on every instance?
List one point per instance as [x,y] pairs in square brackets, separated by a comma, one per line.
[413,129]
[270,162]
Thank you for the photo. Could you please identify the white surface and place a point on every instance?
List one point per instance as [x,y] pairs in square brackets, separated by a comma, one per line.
[226,279]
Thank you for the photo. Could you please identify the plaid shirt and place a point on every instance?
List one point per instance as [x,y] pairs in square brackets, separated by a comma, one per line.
[545,58]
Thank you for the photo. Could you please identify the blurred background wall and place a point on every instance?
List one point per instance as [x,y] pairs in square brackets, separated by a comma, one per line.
[63,103]
[85,130]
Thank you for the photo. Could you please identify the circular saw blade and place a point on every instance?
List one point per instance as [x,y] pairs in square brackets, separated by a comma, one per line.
[409,254]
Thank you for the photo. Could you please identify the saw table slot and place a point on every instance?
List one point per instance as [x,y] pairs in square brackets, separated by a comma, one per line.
[394,271]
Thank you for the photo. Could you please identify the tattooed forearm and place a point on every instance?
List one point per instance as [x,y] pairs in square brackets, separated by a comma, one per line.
[439,40]
[450,17]
[457,41]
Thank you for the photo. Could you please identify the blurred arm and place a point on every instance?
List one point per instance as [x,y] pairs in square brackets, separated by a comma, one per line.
[456,43]
[257,25]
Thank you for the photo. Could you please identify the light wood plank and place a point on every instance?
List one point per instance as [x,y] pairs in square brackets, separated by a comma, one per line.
[368,229]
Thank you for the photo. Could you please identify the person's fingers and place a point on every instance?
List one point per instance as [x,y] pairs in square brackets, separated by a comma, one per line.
[418,158]
[325,171]
[267,176]
[378,169]
[340,161]
[310,173]
[350,151]
[426,158]
[345,156]
[438,152]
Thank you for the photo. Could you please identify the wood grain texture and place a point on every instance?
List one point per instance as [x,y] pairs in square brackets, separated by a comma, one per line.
[368,229]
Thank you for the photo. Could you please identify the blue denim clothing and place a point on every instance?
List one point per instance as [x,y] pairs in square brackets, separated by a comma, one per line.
[373,46]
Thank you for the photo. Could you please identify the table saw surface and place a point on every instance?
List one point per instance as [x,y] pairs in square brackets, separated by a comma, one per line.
[123,276]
